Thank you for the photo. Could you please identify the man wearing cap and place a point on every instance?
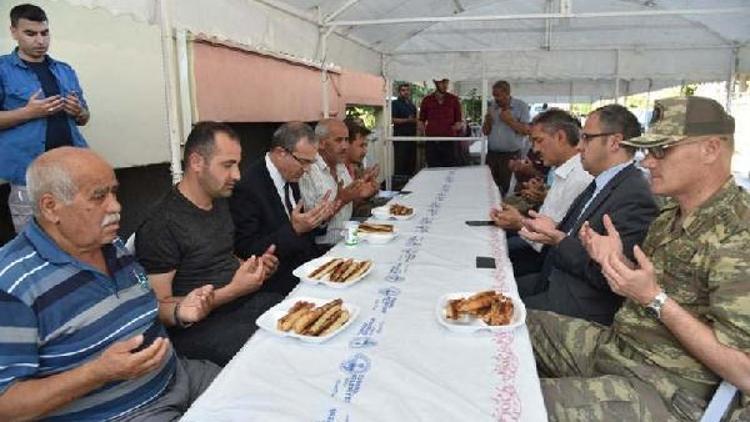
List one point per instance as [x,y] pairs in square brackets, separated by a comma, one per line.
[685,322]
[440,115]
[506,126]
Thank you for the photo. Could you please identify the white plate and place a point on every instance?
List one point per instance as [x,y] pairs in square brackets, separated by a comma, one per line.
[379,238]
[268,320]
[384,213]
[476,324]
[303,270]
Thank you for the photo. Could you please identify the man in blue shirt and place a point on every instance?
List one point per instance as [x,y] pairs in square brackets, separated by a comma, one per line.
[80,330]
[506,127]
[41,105]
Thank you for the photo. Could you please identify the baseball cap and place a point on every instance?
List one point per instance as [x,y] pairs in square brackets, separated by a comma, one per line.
[440,79]
[678,118]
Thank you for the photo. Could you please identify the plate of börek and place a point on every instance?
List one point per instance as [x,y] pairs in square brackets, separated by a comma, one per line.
[336,272]
[308,319]
[488,310]
[376,233]
[393,212]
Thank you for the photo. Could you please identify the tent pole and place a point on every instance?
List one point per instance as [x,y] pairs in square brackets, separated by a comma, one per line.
[170,76]
[183,67]
[617,76]
[733,64]
[485,97]
[570,97]
[387,127]
[324,79]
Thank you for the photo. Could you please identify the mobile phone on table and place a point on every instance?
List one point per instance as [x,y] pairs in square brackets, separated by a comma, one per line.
[485,262]
[480,223]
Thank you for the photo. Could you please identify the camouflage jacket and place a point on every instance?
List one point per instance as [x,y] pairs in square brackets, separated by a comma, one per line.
[704,265]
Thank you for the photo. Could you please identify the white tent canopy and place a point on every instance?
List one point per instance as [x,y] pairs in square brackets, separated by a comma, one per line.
[549,50]
[597,45]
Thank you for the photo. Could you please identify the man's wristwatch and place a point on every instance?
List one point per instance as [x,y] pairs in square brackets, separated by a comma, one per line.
[653,309]
[177,319]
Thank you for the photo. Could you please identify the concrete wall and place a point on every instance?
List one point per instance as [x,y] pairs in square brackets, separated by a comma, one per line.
[119,65]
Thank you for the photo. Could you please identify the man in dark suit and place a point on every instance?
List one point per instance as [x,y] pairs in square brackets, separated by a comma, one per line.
[267,209]
[570,281]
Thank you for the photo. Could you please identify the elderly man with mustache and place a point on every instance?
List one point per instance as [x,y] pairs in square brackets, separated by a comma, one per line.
[80,333]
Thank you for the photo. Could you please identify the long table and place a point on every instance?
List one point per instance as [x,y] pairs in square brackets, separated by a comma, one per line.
[396,362]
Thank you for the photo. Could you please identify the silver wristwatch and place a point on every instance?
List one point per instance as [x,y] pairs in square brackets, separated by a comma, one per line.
[654,307]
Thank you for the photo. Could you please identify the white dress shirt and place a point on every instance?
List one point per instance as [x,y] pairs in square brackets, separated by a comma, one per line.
[279,182]
[314,185]
[570,179]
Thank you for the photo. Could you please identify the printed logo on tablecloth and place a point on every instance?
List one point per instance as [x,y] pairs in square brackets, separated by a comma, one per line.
[390,291]
[357,364]
[362,342]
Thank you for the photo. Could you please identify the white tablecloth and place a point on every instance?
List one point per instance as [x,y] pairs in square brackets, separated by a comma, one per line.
[395,362]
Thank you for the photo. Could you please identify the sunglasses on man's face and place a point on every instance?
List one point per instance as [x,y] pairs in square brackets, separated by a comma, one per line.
[659,152]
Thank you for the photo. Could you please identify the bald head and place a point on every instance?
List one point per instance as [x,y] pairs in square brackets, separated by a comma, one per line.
[60,172]
[324,128]
[332,136]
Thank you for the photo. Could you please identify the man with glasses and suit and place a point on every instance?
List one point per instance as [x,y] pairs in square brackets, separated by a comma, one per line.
[685,323]
[267,208]
[571,281]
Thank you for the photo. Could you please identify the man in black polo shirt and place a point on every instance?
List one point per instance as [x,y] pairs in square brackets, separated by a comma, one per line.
[186,246]
[404,117]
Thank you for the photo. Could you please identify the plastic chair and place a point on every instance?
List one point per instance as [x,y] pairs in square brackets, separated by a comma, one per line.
[130,244]
[720,402]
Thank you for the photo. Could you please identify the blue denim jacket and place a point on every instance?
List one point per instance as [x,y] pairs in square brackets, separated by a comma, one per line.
[20,144]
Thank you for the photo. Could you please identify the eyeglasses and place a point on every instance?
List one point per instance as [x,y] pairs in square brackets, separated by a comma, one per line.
[304,162]
[585,137]
[660,151]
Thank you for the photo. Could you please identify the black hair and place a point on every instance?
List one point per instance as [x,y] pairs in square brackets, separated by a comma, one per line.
[555,119]
[202,138]
[356,127]
[618,119]
[28,12]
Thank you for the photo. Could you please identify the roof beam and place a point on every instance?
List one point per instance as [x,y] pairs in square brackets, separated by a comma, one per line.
[532,16]
[459,7]
[290,10]
[333,15]
[564,49]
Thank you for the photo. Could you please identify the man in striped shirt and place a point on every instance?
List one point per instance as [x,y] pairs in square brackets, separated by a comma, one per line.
[80,336]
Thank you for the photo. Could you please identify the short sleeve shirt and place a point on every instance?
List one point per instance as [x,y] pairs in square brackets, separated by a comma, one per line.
[314,185]
[58,313]
[196,243]
[703,264]
[503,138]
[440,117]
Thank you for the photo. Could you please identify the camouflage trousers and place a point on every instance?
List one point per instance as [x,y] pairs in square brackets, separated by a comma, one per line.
[573,390]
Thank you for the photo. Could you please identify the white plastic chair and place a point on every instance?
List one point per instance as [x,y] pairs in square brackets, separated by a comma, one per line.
[720,402]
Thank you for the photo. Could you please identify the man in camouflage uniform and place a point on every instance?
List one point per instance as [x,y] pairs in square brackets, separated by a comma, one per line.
[685,323]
